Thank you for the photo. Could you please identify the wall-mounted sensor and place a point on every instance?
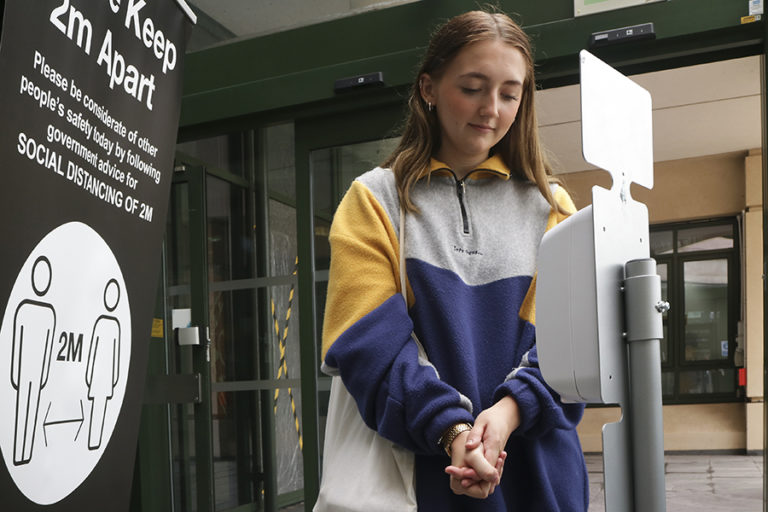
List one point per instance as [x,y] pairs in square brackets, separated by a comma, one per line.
[621,35]
[355,82]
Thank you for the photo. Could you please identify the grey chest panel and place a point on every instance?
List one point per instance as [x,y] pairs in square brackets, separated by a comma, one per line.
[505,219]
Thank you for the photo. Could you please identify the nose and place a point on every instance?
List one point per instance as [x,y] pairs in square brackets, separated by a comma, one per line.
[490,106]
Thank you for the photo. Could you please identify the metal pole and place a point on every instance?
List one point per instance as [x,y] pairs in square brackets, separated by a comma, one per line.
[643,310]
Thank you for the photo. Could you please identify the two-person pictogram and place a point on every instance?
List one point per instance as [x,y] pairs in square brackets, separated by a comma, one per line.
[103,368]
[34,326]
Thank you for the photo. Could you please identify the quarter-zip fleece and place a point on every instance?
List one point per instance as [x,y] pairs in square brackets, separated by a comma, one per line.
[437,167]
[471,291]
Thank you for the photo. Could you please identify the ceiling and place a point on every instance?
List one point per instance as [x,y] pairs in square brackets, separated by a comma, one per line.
[699,110]
[223,21]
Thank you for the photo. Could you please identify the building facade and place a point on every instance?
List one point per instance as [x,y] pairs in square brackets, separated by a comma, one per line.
[267,146]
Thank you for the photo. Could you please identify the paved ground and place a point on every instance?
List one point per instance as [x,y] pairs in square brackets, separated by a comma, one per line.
[695,483]
[698,483]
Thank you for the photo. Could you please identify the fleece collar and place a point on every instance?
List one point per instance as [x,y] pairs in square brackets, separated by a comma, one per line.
[494,166]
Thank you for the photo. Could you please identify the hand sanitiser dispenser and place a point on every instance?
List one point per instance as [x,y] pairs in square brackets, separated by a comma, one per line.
[598,305]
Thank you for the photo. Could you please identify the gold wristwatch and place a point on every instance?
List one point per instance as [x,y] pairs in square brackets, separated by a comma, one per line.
[449,435]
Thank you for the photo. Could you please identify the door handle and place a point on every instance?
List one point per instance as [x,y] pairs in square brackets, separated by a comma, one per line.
[191,336]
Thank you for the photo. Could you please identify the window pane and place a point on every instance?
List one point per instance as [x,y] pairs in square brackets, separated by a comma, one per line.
[235,440]
[184,459]
[236,428]
[333,170]
[286,366]
[230,235]
[282,239]
[177,240]
[233,324]
[661,242]
[288,439]
[355,159]
[717,380]
[224,152]
[322,165]
[705,238]
[706,310]
[280,155]
[667,383]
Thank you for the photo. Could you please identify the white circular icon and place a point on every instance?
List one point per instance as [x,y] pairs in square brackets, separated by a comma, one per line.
[65,349]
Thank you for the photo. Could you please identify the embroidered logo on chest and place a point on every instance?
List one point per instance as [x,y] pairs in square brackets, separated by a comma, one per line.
[468,252]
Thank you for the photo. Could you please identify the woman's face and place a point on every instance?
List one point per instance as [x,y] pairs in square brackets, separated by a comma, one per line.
[476,101]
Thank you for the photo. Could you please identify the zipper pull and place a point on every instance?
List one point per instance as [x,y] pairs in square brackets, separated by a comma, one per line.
[460,195]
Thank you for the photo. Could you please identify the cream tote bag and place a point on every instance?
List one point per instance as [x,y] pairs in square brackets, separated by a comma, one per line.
[362,471]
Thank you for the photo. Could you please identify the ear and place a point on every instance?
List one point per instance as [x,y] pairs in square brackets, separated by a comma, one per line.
[427,88]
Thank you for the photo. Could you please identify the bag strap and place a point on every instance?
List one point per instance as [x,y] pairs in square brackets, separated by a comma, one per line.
[402,256]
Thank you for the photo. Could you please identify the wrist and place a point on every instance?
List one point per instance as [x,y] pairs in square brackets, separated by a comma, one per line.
[450,435]
[511,412]
[458,446]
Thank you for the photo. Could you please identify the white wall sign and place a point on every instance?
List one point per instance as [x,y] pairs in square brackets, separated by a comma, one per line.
[90,96]
[582,7]
[66,338]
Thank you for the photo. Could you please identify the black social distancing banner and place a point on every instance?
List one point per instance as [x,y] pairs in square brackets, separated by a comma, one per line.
[90,94]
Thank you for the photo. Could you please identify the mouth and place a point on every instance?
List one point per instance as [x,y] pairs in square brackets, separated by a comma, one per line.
[483,128]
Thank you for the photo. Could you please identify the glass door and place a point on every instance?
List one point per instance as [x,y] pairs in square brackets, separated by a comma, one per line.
[219,463]
[330,152]
[234,439]
[238,415]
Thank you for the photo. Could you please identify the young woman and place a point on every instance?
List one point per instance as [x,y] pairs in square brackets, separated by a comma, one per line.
[471,179]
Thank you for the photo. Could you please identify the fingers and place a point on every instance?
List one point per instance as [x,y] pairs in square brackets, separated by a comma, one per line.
[487,432]
[466,476]
[499,468]
[485,470]
[478,459]
[476,489]
[462,473]
[476,435]
[471,487]
[465,480]
[500,464]
[475,459]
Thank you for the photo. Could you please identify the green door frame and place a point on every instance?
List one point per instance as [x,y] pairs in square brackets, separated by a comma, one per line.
[201,359]
[194,176]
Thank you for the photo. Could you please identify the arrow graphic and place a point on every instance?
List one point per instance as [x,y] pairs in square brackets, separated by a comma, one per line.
[46,423]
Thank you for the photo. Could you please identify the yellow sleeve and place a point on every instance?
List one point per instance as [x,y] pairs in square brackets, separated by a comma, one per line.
[364,262]
[528,308]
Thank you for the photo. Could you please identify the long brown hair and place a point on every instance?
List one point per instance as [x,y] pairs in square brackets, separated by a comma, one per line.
[519,148]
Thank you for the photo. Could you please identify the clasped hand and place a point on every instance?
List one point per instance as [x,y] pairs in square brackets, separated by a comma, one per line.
[477,456]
